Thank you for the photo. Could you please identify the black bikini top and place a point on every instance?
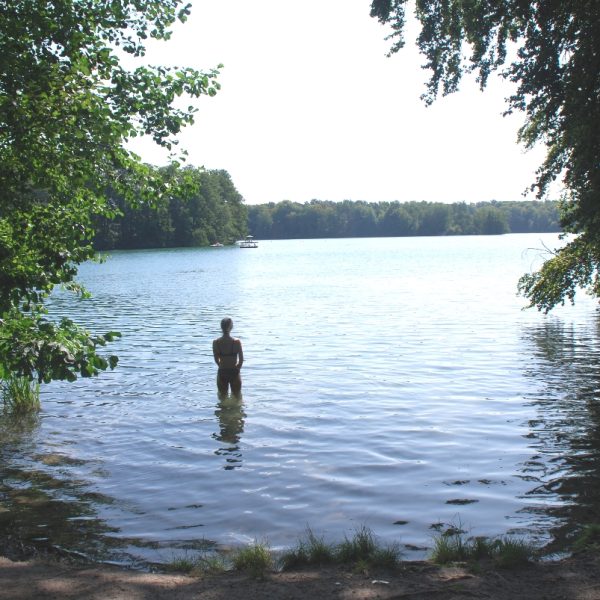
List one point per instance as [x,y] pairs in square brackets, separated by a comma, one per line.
[233,350]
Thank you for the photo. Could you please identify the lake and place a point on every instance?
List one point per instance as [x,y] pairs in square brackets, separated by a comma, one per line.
[394,383]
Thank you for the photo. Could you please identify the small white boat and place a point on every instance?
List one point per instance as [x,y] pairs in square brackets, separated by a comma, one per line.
[249,242]
[216,245]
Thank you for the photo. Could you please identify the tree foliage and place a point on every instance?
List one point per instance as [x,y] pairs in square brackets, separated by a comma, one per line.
[550,50]
[321,219]
[214,213]
[67,107]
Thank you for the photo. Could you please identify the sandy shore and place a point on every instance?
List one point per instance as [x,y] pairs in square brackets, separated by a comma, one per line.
[576,578]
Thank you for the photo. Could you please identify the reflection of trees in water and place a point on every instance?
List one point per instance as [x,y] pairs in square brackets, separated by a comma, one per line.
[41,506]
[230,414]
[566,436]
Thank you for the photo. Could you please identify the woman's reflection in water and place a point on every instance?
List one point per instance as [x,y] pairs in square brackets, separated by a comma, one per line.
[231,415]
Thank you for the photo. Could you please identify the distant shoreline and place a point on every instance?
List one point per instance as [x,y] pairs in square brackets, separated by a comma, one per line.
[232,244]
[187,223]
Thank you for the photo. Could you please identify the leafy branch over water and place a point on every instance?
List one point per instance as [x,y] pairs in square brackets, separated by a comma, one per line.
[68,106]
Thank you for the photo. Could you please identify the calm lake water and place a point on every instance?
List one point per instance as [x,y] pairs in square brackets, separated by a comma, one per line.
[394,383]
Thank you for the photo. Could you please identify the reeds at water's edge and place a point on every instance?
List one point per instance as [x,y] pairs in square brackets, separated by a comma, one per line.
[361,553]
[19,395]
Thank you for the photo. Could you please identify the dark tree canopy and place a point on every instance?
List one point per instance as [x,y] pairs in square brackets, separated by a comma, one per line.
[67,107]
[550,50]
[215,212]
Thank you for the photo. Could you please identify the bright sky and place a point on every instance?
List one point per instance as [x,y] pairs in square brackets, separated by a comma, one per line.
[311,107]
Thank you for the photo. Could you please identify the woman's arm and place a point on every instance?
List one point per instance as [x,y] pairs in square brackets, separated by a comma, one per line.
[216,353]
[240,355]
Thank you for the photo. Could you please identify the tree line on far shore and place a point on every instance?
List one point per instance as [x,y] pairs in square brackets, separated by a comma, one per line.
[322,219]
[216,213]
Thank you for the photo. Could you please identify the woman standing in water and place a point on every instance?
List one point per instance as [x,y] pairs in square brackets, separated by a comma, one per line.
[229,357]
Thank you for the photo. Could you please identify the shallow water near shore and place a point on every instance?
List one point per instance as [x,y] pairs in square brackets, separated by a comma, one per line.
[394,383]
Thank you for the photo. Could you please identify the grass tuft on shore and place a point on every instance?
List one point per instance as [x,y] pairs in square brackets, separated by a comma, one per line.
[181,564]
[588,539]
[506,552]
[360,551]
[255,560]
[206,564]
[513,553]
[310,550]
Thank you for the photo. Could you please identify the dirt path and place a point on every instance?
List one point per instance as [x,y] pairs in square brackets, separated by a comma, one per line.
[572,579]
